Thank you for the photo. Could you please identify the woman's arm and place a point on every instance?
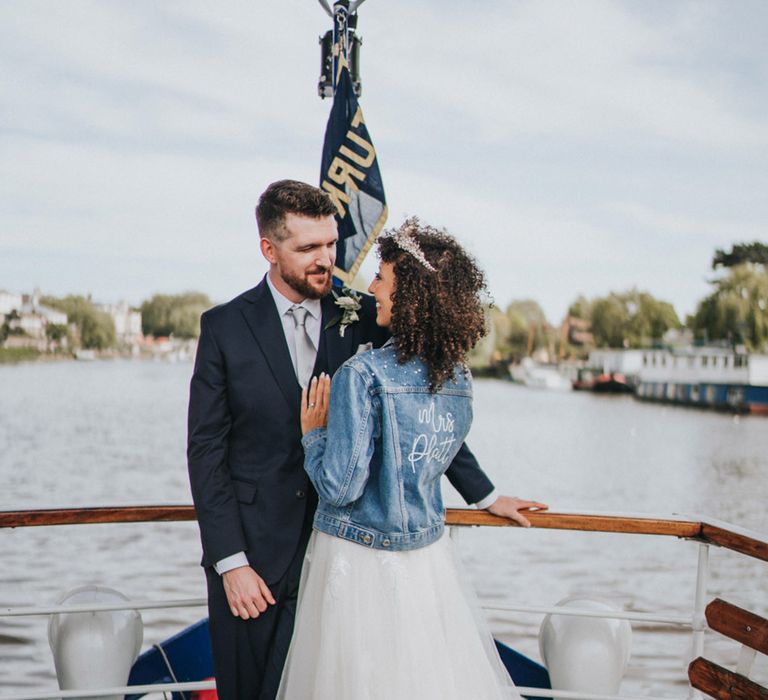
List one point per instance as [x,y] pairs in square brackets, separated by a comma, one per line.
[337,457]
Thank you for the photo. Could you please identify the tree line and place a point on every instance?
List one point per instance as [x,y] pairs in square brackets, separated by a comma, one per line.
[176,315]
[164,315]
[89,328]
[735,312]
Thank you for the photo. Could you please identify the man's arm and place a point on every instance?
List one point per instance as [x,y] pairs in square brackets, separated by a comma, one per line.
[209,423]
[469,479]
[218,514]
[474,486]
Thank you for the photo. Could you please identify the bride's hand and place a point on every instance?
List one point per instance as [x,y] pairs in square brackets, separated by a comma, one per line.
[314,403]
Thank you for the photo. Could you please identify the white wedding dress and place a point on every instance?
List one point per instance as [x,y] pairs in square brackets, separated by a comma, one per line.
[381,625]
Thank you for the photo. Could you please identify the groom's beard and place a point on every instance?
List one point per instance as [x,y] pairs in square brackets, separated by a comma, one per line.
[311,285]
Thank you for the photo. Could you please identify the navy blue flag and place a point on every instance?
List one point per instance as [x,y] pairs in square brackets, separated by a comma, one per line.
[349,173]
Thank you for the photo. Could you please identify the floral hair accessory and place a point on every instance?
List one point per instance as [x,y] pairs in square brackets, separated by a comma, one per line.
[406,242]
[349,302]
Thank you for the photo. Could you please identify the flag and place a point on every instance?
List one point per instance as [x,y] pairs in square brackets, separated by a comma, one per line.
[349,173]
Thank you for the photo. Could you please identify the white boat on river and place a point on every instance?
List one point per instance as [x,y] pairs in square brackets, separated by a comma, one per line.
[537,376]
[707,377]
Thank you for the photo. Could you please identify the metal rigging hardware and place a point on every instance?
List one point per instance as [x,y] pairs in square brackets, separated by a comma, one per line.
[342,40]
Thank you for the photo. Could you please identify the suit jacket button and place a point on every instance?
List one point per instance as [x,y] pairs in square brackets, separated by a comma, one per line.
[300,494]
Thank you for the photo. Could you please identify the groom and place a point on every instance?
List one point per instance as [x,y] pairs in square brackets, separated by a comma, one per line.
[254,502]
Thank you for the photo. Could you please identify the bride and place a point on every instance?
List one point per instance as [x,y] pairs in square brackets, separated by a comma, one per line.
[382,610]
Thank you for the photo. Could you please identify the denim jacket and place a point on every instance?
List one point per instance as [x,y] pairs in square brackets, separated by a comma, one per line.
[377,466]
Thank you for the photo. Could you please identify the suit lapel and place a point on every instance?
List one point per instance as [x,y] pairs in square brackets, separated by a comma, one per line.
[261,316]
[334,349]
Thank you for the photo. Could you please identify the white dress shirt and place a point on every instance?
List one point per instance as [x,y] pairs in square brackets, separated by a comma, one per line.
[313,323]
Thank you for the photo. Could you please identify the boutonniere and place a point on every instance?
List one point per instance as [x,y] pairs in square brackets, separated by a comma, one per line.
[349,303]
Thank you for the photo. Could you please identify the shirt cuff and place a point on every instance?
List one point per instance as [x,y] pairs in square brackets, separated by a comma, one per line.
[489,500]
[232,562]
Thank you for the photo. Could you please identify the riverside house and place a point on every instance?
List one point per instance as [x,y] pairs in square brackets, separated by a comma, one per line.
[28,321]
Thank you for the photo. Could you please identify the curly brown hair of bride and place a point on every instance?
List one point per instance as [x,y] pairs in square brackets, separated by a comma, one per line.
[437,304]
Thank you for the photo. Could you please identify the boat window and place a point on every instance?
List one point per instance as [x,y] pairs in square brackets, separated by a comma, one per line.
[663,361]
[704,360]
[645,360]
[714,361]
[725,362]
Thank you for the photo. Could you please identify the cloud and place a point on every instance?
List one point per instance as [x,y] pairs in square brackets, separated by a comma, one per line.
[580,70]
[574,147]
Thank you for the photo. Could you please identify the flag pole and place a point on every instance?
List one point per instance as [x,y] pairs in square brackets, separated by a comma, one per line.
[340,37]
[349,168]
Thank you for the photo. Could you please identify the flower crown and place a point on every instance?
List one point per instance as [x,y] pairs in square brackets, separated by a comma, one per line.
[408,243]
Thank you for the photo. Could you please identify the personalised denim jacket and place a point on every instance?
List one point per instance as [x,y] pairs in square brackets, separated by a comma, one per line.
[377,466]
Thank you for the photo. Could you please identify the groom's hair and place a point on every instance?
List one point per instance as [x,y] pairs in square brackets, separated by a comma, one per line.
[290,197]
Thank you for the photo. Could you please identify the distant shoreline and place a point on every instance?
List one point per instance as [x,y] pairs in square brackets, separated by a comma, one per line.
[10,357]
[14,356]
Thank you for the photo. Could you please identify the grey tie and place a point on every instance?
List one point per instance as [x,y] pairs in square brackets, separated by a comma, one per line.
[305,348]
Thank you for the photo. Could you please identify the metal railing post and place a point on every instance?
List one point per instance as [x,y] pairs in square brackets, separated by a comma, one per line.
[699,621]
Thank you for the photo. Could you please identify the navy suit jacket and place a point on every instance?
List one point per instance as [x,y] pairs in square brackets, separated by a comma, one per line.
[244,451]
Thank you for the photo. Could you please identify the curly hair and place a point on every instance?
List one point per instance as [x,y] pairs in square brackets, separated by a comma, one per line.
[437,309]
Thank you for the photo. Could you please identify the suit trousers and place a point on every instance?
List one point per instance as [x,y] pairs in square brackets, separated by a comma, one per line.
[249,655]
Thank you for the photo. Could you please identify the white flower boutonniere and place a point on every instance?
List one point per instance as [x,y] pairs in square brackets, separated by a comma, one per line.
[349,303]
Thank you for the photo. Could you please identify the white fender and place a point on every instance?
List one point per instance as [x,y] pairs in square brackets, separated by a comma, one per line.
[94,649]
[587,654]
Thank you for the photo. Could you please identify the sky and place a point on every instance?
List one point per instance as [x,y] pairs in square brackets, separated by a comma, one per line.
[575,147]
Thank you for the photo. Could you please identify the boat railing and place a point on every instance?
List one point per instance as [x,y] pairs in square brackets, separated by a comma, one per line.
[706,532]
[742,626]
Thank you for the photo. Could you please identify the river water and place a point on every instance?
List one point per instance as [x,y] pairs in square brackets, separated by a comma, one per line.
[113,433]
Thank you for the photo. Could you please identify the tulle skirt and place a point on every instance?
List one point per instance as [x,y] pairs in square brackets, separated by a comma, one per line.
[377,625]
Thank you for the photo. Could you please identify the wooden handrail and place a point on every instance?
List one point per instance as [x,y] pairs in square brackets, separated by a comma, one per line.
[743,542]
[739,624]
[717,533]
[454,516]
[92,516]
[719,682]
[587,522]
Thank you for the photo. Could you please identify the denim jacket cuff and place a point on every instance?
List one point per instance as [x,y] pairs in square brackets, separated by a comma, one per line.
[313,436]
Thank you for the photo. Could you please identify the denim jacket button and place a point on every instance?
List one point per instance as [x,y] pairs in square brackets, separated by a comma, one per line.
[385,542]
[367,539]
[300,494]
